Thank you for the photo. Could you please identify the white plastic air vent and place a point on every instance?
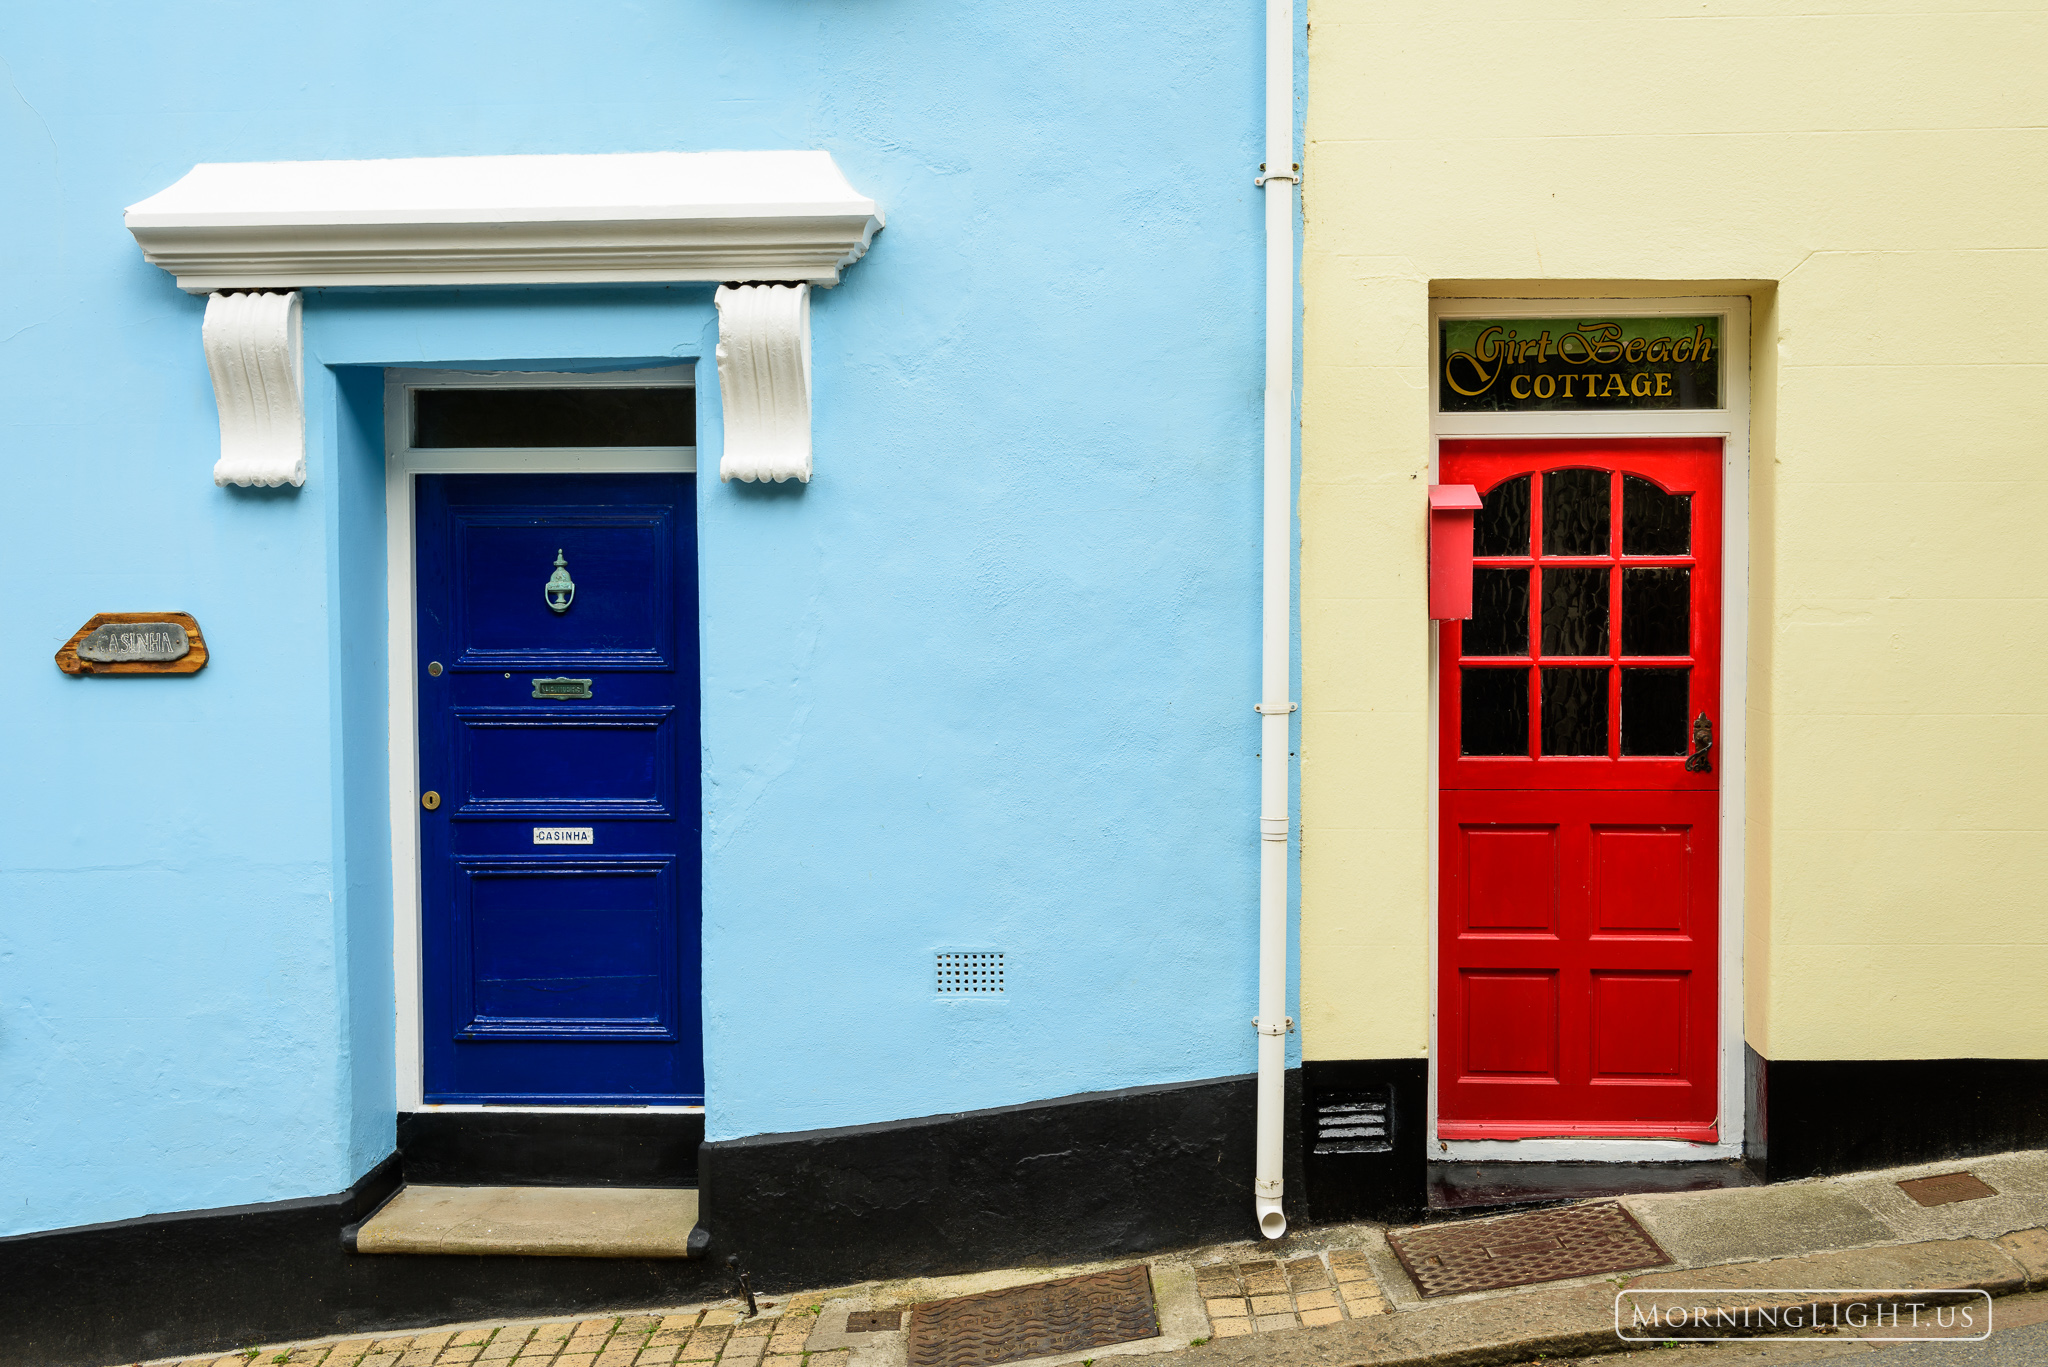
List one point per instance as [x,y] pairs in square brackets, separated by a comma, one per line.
[970,973]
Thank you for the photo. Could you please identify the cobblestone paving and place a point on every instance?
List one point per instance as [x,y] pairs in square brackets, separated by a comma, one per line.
[697,1337]
[1267,1296]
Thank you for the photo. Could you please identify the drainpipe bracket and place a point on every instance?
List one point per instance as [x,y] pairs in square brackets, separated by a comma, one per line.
[1264,175]
[1274,709]
[1286,1029]
[1268,1187]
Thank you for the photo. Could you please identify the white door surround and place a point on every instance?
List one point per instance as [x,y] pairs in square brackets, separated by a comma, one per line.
[1730,423]
[402,462]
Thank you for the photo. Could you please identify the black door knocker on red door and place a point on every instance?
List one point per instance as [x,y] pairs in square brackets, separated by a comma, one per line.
[1700,761]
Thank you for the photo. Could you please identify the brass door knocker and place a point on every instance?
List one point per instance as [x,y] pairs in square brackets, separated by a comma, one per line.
[561,589]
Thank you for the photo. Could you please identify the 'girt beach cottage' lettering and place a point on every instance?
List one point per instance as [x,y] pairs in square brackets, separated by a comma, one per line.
[1523,365]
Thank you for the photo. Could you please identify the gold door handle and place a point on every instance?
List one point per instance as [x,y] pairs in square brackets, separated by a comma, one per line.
[430,799]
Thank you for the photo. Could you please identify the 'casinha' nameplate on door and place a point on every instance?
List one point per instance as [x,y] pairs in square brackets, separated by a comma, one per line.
[564,835]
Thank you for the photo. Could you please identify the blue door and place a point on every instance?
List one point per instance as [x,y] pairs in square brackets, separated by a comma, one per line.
[558,729]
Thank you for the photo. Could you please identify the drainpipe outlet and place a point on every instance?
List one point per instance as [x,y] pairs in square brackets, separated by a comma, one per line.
[1272,1219]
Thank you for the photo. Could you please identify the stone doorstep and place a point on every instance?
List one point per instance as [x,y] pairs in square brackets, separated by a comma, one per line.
[548,1222]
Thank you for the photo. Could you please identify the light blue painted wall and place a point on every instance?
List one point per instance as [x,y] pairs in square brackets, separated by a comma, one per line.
[985,683]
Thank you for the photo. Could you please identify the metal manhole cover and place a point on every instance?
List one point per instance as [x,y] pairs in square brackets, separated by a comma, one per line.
[1061,1316]
[874,1321]
[1950,1186]
[1521,1250]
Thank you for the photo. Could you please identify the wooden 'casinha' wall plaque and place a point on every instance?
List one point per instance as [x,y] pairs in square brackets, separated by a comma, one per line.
[135,643]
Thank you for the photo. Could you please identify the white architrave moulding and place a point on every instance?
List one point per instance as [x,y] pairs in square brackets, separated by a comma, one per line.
[764,381]
[253,353]
[635,216]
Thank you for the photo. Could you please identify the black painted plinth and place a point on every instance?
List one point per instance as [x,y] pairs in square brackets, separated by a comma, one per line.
[1088,1176]
[1831,1116]
[1806,1118]
[536,1149]
[1389,1185]
[217,1280]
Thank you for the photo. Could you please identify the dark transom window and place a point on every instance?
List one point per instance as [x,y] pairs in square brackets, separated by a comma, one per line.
[532,416]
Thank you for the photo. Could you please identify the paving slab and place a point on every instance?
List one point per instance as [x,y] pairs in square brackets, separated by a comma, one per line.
[1972,1263]
[1983,1218]
[1757,1222]
[2022,1171]
[560,1222]
[2028,1248]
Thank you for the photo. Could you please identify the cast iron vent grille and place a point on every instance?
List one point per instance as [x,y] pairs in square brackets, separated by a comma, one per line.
[1355,1122]
[1070,1315]
[970,974]
[1523,1250]
[1950,1186]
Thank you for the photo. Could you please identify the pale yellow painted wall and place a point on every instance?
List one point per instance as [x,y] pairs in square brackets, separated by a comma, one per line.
[1878,175]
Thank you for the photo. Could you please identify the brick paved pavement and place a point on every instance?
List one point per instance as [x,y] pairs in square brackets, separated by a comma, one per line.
[1257,1296]
[699,1338]
[1266,1296]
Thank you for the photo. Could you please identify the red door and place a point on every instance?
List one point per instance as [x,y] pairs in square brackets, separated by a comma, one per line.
[1578,876]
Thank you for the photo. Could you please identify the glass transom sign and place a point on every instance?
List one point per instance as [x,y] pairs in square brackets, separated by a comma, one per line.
[1530,365]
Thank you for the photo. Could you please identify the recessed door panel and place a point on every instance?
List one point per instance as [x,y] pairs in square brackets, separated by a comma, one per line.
[568,761]
[1580,702]
[1511,878]
[558,712]
[620,608]
[1640,1026]
[1641,879]
[1510,1024]
[568,950]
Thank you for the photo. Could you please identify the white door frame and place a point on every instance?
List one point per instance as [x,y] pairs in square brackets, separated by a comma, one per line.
[401,462]
[1730,423]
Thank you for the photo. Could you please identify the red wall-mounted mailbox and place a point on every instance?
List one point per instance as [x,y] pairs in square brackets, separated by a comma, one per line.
[1451,510]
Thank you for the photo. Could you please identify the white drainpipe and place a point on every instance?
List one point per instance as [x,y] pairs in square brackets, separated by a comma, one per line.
[1279,179]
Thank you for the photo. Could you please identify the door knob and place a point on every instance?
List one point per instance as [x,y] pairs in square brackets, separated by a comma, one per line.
[1700,761]
[432,800]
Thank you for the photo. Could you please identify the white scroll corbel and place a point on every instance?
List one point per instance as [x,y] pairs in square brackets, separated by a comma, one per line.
[764,381]
[253,352]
